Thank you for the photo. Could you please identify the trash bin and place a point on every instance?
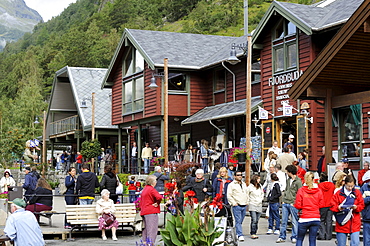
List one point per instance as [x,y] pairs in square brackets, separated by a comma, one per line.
[15,192]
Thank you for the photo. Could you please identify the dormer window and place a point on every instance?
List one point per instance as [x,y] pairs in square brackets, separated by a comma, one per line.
[285,54]
[133,62]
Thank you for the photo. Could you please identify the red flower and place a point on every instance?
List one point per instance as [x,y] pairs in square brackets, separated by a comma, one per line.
[195,200]
[190,193]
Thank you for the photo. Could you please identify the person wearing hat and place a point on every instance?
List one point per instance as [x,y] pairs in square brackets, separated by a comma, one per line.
[347,170]
[290,142]
[6,181]
[161,177]
[200,185]
[30,181]
[21,226]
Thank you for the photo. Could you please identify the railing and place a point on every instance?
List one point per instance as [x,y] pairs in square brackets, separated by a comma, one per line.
[65,125]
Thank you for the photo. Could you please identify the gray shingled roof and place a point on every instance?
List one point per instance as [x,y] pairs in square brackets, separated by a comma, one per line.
[323,14]
[184,50]
[222,111]
[85,81]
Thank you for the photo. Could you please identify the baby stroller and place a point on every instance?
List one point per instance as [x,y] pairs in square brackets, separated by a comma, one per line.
[229,237]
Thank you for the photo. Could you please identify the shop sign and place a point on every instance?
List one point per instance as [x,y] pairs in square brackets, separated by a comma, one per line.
[268,130]
[285,78]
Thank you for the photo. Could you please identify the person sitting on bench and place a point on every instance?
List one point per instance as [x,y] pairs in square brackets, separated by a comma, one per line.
[42,200]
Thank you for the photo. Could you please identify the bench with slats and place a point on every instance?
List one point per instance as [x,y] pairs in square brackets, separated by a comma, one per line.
[86,215]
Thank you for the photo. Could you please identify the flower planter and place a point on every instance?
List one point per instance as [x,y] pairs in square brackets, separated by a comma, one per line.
[242,157]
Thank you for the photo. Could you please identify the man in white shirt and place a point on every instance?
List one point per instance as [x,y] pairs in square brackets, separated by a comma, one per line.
[133,168]
[237,196]
[275,148]
[146,155]
[282,177]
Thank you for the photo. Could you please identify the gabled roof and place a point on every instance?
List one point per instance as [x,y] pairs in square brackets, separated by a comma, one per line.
[83,82]
[183,50]
[342,65]
[221,111]
[310,18]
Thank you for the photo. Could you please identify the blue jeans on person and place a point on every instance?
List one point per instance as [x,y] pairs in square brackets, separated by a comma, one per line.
[274,216]
[86,201]
[288,209]
[132,195]
[133,169]
[354,238]
[313,227]
[255,216]
[239,215]
[205,165]
[146,165]
[366,232]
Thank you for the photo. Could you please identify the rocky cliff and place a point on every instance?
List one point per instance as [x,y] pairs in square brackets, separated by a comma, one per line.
[15,20]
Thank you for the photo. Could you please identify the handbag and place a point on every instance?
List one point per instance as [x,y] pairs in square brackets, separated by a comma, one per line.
[139,222]
[119,188]
[62,188]
[109,218]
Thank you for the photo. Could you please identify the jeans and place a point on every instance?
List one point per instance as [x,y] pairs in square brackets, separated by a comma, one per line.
[86,201]
[326,224]
[288,209]
[132,195]
[133,168]
[274,216]
[146,165]
[205,165]
[366,232]
[354,239]
[313,227]
[255,216]
[239,215]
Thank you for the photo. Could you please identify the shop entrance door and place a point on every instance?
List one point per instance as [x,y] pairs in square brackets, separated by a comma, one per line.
[285,127]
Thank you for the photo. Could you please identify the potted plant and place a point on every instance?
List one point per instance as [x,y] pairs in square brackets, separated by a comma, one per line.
[239,154]
[157,161]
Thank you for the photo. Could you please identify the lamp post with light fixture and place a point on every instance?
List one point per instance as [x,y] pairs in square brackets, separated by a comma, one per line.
[83,105]
[233,59]
[153,85]
[43,140]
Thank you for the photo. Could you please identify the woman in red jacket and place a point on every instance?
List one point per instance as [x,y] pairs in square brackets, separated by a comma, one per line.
[326,215]
[348,195]
[309,200]
[150,208]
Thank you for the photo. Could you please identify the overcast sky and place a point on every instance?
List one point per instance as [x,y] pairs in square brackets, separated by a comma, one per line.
[49,8]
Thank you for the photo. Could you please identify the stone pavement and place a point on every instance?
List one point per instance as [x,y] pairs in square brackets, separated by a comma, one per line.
[53,235]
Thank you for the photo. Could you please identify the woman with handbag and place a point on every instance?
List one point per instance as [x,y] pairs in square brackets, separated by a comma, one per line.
[110,182]
[70,198]
[105,208]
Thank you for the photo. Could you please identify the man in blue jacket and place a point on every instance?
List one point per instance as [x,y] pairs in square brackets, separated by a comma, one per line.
[30,181]
[365,190]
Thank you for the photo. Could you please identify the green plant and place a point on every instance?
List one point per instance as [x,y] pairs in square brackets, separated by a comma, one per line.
[190,229]
[123,178]
[4,195]
[91,149]
[53,184]
[156,161]
[234,152]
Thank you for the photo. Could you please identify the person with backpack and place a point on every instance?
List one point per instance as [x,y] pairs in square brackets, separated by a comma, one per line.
[347,204]
[30,181]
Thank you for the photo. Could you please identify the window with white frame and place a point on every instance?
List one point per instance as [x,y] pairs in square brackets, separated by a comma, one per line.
[285,55]
[133,62]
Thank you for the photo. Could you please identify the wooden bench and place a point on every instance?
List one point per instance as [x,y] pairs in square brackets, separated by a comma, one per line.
[48,214]
[86,215]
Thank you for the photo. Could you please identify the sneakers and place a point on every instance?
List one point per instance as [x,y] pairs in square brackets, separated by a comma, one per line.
[269,231]
[294,240]
[280,240]
[104,238]
[276,232]
[114,238]
[241,238]
[67,227]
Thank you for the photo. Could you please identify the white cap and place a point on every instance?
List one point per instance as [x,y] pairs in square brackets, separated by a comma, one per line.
[199,171]
[157,168]
[291,136]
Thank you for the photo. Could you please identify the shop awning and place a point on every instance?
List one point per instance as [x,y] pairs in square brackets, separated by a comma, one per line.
[222,111]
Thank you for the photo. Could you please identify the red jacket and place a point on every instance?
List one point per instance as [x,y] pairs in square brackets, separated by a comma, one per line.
[354,224]
[309,201]
[300,173]
[327,189]
[360,175]
[79,159]
[149,196]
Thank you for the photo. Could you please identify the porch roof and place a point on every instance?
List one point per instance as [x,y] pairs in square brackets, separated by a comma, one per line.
[221,111]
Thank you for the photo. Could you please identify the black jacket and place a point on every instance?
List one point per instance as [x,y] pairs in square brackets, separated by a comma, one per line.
[46,200]
[109,182]
[86,184]
[275,194]
[197,187]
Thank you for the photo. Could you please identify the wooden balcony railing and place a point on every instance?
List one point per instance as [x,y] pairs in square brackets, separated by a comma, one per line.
[66,125]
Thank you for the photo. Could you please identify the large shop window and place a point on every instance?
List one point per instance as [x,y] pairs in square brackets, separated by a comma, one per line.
[133,95]
[350,130]
[285,55]
[133,62]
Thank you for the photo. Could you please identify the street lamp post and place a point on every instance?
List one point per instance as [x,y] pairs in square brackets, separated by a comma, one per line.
[43,154]
[153,85]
